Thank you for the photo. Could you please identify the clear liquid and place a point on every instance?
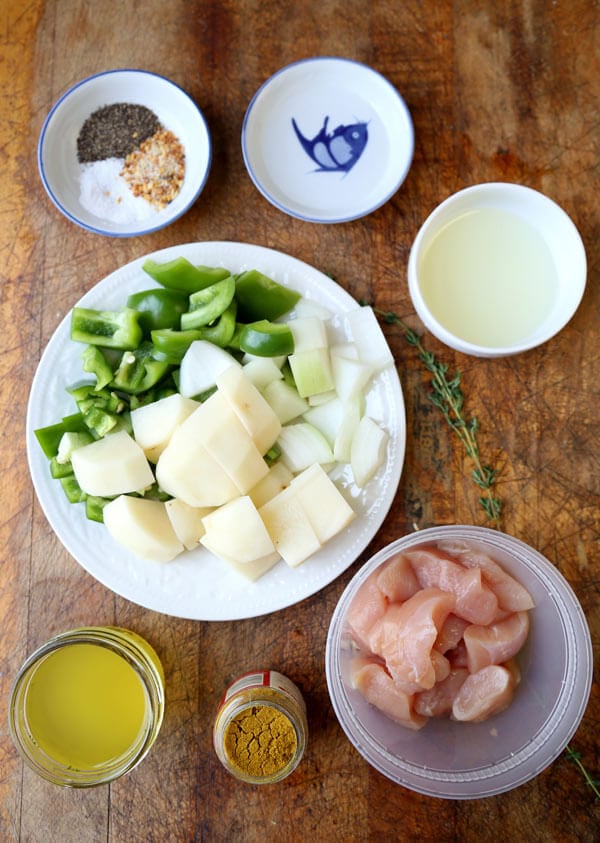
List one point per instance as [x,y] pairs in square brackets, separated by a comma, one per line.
[85,705]
[488,277]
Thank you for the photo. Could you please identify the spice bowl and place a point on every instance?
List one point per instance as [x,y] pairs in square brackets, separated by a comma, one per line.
[124,153]
[496,269]
[445,756]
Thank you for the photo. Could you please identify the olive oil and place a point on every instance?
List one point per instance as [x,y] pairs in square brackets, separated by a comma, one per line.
[86,705]
[488,277]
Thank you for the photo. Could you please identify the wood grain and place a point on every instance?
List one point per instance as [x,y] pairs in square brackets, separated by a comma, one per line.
[497,92]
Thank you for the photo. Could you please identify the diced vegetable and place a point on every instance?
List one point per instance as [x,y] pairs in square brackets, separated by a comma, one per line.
[216,426]
[111,466]
[251,407]
[302,445]
[261,371]
[369,338]
[327,509]
[143,527]
[350,376]
[181,274]
[208,304]
[96,364]
[237,532]
[201,366]
[260,297]
[278,479]
[158,308]
[368,450]
[108,328]
[69,442]
[308,332]
[312,371]
[186,521]
[266,339]
[153,424]
[285,401]
[289,528]
[49,437]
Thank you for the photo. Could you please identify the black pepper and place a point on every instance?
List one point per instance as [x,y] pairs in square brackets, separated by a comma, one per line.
[113,131]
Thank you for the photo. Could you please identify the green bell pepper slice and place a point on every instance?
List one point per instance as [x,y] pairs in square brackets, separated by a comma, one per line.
[94,508]
[171,345]
[158,308]
[139,370]
[181,274]
[96,364]
[108,328]
[260,297]
[72,489]
[221,332]
[267,339]
[49,437]
[208,304]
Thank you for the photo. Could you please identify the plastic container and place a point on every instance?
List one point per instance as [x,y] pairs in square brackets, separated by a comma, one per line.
[269,707]
[457,760]
[87,706]
[496,269]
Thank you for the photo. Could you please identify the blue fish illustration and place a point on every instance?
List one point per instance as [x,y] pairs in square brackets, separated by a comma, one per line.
[335,152]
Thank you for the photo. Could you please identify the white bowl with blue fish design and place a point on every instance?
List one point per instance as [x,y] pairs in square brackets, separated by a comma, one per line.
[327,140]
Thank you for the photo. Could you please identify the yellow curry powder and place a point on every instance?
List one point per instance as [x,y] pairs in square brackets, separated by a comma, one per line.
[260,740]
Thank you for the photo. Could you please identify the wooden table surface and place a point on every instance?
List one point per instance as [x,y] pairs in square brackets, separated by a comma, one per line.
[498,92]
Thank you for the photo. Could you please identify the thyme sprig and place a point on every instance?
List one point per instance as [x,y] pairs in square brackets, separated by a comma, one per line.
[575,758]
[446,394]
[448,397]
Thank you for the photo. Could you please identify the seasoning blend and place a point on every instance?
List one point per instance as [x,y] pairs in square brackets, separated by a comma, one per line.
[261,729]
[87,706]
[131,167]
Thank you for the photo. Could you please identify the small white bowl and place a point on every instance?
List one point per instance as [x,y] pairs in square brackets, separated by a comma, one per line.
[453,760]
[60,169]
[327,140]
[496,269]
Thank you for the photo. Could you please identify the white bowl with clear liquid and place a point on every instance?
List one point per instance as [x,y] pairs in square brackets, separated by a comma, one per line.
[496,269]
[453,760]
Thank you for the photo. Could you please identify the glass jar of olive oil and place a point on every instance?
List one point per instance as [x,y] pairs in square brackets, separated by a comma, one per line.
[87,706]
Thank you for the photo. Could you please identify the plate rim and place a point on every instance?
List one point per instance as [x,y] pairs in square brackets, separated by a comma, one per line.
[49,501]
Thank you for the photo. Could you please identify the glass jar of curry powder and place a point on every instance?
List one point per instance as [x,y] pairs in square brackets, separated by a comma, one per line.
[260,730]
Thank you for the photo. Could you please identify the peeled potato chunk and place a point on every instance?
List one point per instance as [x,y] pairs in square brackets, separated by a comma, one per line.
[112,466]
[143,527]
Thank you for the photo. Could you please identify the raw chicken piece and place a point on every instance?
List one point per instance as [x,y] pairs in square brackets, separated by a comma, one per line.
[438,701]
[482,694]
[475,602]
[496,643]
[367,607]
[441,665]
[457,656]
[378,688]
[451,633]
[511,594]
[406,633]
[397,580]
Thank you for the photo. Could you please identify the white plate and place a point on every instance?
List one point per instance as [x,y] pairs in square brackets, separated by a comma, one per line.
[57,146]
[196,584]
[356,147]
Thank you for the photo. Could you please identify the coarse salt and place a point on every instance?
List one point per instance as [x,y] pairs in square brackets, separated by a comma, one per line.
[105,193]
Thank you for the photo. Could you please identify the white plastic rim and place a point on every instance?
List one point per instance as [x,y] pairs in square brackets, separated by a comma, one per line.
[356,147]
[559,233]
[57,145]
[475,760]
